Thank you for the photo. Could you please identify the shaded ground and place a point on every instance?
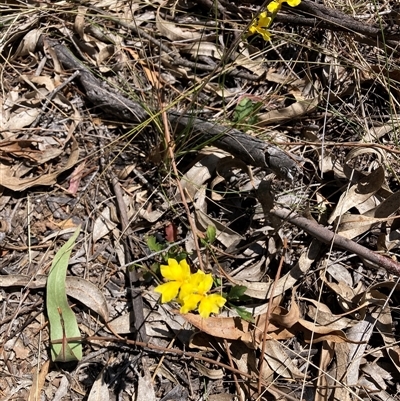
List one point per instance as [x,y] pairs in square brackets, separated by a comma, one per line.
[104,112]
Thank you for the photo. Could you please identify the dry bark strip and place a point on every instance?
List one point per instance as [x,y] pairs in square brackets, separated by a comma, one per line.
[251,150]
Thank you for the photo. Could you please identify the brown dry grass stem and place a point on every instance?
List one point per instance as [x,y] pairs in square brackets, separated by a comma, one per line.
[169,142]
[268,315]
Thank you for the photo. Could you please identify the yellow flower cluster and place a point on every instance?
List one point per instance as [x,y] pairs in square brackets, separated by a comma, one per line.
[261,24]
[190,290]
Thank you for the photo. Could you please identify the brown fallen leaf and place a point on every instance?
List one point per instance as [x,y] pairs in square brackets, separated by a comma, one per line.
[16,181]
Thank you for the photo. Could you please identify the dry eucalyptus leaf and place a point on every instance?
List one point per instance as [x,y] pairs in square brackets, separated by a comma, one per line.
[353,225]
[82,290]
[388,207]
[99,390]
[103,225]
[171,31]
[231,328]
[22,119]
[28,43]
[145,388]
[88,294]
[296,110]
[13,179]
[280,362]
[359,193]
[360,332]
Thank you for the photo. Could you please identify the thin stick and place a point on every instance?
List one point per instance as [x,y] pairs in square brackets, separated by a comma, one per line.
[228,353]
[178,183]
[326,236]
[268,315]
[51,95]
[184,354]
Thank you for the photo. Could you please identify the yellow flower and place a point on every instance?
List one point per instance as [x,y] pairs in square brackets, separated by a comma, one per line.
[260,26]
[189,289]
[193,294]
[177,274]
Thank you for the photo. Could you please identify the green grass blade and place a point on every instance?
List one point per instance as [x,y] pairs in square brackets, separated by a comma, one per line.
[62,320]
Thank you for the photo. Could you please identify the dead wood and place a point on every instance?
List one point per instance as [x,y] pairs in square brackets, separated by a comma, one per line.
[326,236]
[251,150]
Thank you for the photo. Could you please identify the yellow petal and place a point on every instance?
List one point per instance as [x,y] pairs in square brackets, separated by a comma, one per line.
[274,7]
[264,21]
[175,271]
[168,291]
[203,281]
[252,30]
[190,302]
[293,3]
[264,33]
[211,304]
[187,288]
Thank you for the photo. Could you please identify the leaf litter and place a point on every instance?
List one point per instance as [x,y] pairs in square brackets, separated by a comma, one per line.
[326,327]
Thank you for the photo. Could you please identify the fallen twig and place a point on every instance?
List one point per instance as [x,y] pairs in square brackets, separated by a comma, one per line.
[326,236]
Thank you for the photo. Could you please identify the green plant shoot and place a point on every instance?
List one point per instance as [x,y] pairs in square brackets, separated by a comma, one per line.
[62,320]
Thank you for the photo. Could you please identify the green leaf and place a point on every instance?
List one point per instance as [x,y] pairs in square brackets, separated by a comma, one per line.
[237,292]
[246,112]
[211,234]
[245,315]
[153,245]
[62,320]
[243,110]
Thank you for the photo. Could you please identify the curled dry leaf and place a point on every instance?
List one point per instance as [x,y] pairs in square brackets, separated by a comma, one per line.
[263,290]
[16,181]
[82,290]
[292,321]
[359,193]
[323,316]
[28,43]
[280,362]
[296,110]
[171,31]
